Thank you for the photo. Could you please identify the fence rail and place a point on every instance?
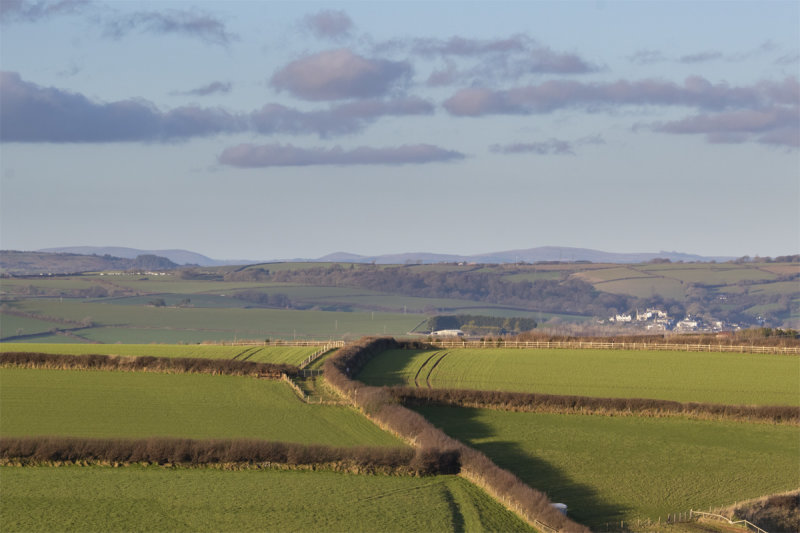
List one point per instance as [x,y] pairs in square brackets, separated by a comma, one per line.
[319,353]
[336,344]
[749,525]
[785,350]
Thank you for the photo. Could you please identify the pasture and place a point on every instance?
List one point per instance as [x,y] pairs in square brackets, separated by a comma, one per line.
[608,469]
[709,377]
[196,324]
[12,326]
[160,499]
[200,406]
[293,355]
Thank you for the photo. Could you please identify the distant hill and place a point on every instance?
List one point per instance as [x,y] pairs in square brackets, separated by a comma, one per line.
[33,263]
[185,257]
[179,257]
[529,255]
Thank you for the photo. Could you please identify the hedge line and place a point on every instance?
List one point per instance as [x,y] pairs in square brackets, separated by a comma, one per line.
[383,408]
[242,452]
[532,402]
[147,364]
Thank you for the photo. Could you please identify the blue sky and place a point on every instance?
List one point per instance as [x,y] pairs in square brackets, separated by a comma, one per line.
[265,130]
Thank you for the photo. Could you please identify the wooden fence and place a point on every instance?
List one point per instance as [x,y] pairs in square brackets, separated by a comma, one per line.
[454,343]
[319,353]
[334,344]
[748,525]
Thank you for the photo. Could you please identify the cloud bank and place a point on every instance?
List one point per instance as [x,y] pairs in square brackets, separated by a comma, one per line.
[340,74]
[205,27]
[30,113]
[216,87]
[277,155]
[33,11]
[329,24]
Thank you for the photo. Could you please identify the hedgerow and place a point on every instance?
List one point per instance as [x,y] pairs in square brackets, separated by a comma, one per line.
[147,363]
[532,402]
[383,408]
[239,452]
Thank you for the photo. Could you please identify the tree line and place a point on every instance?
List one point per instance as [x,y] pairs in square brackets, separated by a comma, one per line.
[481,325]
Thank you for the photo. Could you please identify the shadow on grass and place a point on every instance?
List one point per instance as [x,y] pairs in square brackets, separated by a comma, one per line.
[585,504]
[459,524]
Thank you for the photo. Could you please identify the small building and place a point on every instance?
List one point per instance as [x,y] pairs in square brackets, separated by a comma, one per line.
[448,333]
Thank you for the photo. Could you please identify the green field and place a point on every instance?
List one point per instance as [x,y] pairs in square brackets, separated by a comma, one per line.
[196,324]
[11,326]
[158,499]
[608,469]
[140,404]
[292,355]
[713,377]
[709,273]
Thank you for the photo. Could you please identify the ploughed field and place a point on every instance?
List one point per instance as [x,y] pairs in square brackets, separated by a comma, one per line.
[611,469]
[292,355]
[709,377]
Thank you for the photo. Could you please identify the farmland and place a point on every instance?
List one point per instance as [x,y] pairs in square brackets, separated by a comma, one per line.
[346,301]
[727,378]
[609,469]
[259,354]
[150,499]
[133,404]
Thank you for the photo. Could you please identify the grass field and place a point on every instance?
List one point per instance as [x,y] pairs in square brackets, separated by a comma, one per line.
[645,287]
[195,324]
[709,273]
[292,355]
[11,326]
[727,378]
[158,499]
[138,404]
[608,469]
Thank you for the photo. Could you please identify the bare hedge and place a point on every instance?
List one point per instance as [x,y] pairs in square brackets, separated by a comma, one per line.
[189,452]
[532,402]
[147,364]
[385,409]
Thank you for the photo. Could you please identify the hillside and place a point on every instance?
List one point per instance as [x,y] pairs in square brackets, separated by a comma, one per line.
[36,263]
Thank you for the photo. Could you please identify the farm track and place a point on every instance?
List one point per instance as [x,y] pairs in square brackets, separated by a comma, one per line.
[253,351]
[428,377]
[419,370]
[238,355]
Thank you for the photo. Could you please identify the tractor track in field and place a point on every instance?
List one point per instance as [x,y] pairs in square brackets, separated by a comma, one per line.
[251,354]
[419,370]
[433,367]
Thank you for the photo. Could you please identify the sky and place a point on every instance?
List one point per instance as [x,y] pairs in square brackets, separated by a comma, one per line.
[269,130]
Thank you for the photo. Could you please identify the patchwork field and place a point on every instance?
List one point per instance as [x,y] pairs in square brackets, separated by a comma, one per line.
[197,324]
[608,469]
[137,404]
[292,355]
[159,499]
[713,377]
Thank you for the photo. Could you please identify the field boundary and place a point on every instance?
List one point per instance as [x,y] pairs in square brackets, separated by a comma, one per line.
[165,365]
[241,453]
[529,402]
[674,347]
[379,406]
[319,353]
[748,525]
[277,342]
